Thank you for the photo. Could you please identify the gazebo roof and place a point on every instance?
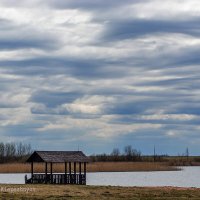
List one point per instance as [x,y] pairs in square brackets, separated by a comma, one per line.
[58,156]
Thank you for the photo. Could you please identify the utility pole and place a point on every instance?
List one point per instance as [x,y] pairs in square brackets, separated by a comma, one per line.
[154,153]
[187,153]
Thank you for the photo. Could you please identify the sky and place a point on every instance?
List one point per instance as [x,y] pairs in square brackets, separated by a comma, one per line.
[103,74]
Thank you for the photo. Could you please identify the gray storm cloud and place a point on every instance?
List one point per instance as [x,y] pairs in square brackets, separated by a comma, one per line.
[99,72]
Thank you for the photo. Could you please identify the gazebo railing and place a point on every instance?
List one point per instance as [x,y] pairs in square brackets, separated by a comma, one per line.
[79,179]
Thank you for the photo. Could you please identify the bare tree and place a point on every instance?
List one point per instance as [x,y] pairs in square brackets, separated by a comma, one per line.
[131,154]
[2,149]
[115,154]
[9,151]
[13,151]
[128,152]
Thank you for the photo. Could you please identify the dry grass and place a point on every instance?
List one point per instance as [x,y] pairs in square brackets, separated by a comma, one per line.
[92,167]
[61,192]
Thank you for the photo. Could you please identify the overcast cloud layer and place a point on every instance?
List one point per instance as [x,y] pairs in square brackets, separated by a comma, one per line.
[95,75]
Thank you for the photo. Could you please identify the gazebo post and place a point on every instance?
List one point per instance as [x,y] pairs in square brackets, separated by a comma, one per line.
[85,171]
[32,172]
[80,177]
[45,172]
[70,171]
[51,172]
[75,172]
[65,181]
[80,168]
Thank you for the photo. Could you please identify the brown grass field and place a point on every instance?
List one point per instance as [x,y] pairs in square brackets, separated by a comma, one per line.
[64,192]
[92,167]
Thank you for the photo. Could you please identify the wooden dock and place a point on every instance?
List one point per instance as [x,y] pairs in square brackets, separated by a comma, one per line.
[79,179]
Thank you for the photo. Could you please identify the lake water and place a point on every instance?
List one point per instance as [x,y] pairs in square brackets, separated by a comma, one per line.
[188,177]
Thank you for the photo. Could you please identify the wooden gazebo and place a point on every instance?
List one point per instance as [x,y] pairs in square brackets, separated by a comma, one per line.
[71,159]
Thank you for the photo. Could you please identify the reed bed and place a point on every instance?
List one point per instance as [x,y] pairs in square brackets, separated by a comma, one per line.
[92,167]
[128,166]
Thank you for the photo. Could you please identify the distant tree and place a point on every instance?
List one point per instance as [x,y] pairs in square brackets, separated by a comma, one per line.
[28,149]
[14,151]
[131,154]
[115,154]
[2,149]
[128,152]
[20,149]
[10,150]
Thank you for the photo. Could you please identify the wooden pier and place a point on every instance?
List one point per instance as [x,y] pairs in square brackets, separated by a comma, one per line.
[70,159]
[57,179]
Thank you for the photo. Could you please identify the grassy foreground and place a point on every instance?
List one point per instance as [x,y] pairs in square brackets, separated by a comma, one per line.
[92,167]
[61,192]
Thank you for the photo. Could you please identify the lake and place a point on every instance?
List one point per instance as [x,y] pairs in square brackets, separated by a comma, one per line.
[188,177]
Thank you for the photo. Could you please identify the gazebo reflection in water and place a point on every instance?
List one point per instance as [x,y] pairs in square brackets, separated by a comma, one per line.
[72,160]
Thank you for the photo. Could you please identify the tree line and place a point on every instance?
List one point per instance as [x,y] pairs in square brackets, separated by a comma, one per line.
[19,152]
[12,151]
[128,154]
[131,154]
